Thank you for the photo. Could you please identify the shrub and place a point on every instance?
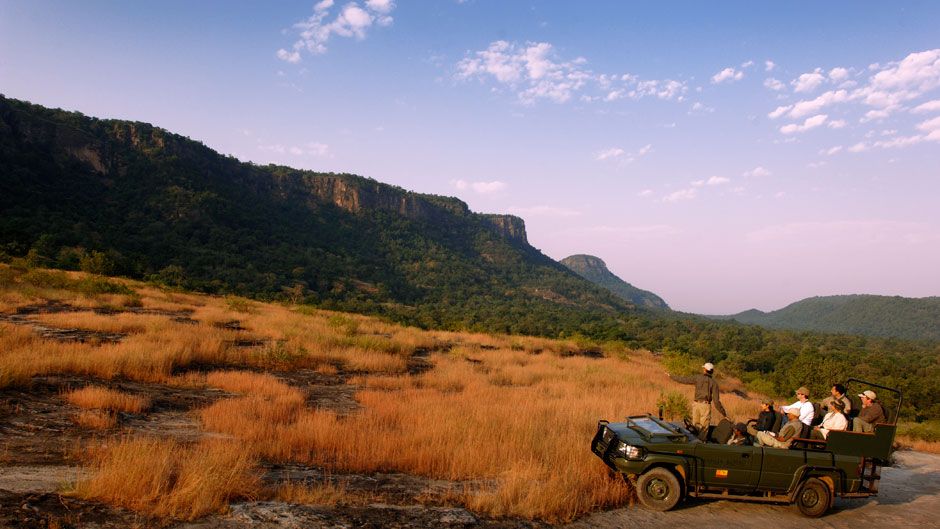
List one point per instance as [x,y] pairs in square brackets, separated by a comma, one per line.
[674,404]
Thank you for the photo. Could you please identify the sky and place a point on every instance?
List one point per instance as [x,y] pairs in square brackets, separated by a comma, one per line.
[725,156]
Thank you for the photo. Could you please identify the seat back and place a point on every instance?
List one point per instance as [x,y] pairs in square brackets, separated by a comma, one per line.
[778,422]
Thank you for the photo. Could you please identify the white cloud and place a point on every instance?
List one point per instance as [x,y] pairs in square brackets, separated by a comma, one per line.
[531,70]
[624,156]
[758,171]
[698,183]
[698,108]
[728,74]
[680,195]
[614,152]
[645,193]
[292,57]
[717,180]
[875,114]
[808,82]
[859,147]
[747,64]
[831,150]
[809,123]
[316,149]
[769,65]
[930,125]
[543,211]
[351,21]
[774,84]
[888,89]
[838,74]
[805,108]
[480,187]
[929,106]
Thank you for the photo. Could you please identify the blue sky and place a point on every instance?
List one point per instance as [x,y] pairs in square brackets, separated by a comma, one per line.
[725,156]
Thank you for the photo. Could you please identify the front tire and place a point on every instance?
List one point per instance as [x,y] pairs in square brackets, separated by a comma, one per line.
[658,489]
[814,498]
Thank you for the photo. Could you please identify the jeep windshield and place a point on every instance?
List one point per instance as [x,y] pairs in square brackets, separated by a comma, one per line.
[650,426]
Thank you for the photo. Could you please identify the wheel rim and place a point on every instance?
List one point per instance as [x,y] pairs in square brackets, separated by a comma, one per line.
[657,489]
[809,498]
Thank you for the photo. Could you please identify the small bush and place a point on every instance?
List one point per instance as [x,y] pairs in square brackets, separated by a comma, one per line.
[674,404]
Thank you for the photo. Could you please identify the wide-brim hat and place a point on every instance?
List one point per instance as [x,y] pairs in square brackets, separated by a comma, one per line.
[803,390]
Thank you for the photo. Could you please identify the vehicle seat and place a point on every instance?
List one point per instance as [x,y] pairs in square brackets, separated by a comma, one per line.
[778,423]
[856,407]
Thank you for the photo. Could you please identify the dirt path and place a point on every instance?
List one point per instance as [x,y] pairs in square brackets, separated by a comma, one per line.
[909,497]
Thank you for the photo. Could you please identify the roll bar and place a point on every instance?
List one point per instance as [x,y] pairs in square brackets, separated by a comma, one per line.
[897,392]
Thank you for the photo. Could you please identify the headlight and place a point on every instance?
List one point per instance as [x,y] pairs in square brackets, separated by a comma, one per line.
[630,451]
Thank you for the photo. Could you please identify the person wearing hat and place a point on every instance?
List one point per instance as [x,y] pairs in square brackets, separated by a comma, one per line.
[706,396]
[871,413]
[834,420]
[804,406]
[783,439]
[765,419]
[739,435]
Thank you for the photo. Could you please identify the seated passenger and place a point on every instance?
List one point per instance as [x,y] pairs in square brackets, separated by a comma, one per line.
[838,393]
[765,419]
[804,407]
[834,420]
[871,413]
[739,436]
[786,435]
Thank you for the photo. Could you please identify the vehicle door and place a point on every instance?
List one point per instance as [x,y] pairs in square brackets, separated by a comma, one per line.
[726,466]
[780,466]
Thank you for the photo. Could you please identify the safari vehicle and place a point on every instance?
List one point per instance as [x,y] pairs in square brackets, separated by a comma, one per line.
[667,463]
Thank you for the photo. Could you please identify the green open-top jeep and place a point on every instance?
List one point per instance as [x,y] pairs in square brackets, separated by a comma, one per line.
[667,463]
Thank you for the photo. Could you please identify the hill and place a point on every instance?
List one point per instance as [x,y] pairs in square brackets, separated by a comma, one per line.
[885,316]
[131,199]
[595,270]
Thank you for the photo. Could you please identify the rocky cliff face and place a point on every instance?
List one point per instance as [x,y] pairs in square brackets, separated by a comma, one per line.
[348,192]
[509,226]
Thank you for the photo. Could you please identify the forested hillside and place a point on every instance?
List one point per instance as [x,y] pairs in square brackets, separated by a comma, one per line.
[595,270]
[126,198]
[887,316]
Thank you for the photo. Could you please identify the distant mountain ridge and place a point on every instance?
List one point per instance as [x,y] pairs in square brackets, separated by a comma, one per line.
[595,270]
[865,314]
[128,198]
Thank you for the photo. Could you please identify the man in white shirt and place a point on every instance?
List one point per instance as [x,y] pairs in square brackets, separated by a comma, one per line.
[804,406]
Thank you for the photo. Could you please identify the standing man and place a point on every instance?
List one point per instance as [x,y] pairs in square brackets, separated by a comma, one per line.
[706,395]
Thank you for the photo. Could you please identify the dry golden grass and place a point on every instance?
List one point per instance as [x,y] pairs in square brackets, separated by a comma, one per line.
[123,322]
[165,479]
[95,419]
[920,445]
[318,494]
[93,397]
[509,414]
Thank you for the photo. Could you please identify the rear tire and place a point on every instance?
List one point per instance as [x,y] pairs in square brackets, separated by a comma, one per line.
[658,489]
[814,498]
